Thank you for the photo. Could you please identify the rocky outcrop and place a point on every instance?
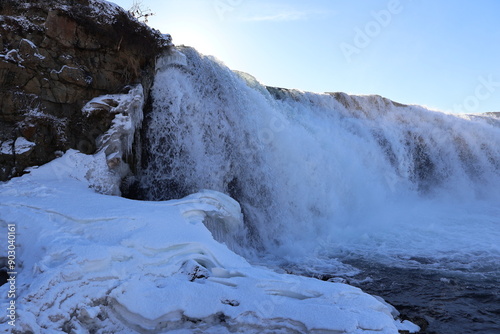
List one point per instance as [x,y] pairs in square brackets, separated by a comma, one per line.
[55,56]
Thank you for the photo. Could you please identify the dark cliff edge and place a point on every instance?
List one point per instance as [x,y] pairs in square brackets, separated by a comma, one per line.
[55,56]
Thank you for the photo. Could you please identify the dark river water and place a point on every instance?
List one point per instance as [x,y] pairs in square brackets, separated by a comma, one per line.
[439,301]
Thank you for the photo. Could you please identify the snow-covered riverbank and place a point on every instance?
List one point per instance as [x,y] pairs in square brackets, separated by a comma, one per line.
[88,262]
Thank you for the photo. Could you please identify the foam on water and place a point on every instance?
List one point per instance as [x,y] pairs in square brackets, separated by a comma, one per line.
[325,175]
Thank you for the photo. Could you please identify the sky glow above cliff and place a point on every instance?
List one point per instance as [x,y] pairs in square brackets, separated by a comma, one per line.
[441,54]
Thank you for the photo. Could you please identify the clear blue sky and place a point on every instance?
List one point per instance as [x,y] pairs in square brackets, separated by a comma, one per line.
[444,54]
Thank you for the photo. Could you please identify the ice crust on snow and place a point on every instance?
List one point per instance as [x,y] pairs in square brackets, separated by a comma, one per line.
[90,261]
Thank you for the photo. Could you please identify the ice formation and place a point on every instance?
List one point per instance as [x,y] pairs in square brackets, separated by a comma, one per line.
[117,142]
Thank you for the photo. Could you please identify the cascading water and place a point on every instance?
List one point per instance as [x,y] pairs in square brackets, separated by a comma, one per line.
[328,176]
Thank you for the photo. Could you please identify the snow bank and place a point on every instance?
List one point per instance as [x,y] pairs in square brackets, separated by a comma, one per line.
[88,262]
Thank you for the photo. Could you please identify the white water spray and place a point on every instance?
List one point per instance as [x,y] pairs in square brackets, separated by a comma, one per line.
[324,172]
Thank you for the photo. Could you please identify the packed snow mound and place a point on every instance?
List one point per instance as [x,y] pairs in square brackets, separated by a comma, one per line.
[91,263]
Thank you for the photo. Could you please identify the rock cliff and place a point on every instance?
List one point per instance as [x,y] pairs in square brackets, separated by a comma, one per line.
[55,56]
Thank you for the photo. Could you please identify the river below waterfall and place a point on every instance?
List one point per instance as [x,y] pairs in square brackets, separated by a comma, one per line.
[438,301]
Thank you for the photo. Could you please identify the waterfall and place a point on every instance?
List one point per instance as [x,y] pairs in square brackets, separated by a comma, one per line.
[309,168]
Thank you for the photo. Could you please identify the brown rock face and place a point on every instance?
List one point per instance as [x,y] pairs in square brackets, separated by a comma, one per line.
[57,55]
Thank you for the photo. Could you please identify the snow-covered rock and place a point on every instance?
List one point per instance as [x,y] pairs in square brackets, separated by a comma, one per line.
[23,146]
[6,147]
[19,146]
